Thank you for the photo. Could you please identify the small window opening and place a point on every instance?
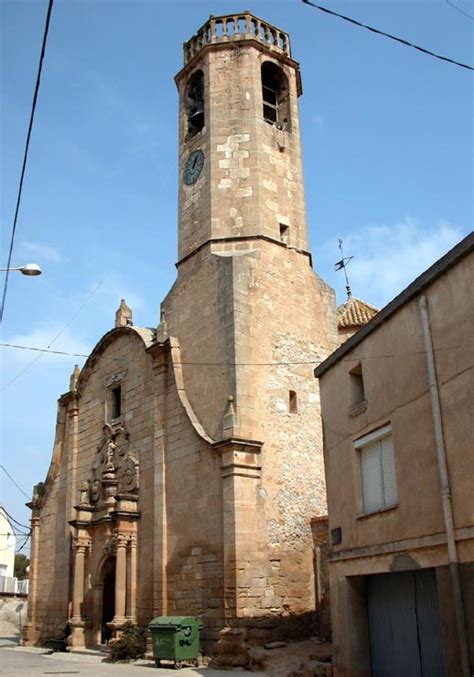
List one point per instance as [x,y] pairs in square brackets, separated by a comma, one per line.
[284,233]
[293,402]
[116,401]
[356,385]
[275,94]
[195,104]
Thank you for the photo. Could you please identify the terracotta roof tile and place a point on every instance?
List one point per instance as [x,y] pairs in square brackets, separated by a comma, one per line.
[355,313]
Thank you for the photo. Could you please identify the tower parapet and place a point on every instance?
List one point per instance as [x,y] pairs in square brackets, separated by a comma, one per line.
[236,27]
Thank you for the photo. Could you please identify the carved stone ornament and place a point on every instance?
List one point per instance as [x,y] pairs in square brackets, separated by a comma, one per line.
[114,467]
[109,546]
[83,493]
[81,543]
[127,476]
[95,490]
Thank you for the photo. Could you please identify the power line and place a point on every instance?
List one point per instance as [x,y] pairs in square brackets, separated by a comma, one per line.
[47,349]
[451,4]
[25,155]
[14,544]
[13,519]
[387,35]
[247,364]
[11,478]
[24,543]
[43,350]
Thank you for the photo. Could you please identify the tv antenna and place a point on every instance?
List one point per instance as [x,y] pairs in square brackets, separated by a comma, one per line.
[342,265]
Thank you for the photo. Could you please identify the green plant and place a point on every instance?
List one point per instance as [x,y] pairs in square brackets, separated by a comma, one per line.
[21,564]
[130,646]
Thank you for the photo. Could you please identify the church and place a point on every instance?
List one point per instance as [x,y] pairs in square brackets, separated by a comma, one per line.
[187,462]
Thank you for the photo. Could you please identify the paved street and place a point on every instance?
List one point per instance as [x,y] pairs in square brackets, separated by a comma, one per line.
[23,661]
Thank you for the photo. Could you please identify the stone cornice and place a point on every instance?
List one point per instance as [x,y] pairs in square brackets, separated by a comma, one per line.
[240,457]
[242,238]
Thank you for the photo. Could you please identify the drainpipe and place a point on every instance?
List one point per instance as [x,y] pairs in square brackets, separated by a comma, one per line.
[445,488]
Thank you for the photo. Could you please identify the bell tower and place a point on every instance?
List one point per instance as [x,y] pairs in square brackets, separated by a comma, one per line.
[247,318]
[239,137]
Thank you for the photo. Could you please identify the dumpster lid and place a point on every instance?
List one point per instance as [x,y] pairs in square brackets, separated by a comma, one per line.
[173,621]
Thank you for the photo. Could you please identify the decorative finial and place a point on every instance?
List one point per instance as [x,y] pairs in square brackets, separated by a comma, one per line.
[162,331]
[342,264]
[230,416]
[74,378]
[123,316]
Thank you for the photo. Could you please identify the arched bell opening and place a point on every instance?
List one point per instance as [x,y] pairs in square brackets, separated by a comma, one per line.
[194,103]
[275,96]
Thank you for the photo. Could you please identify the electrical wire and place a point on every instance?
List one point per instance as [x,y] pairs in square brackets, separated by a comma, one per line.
[43,350]
[2,467]
[388,35]
[13,545]
[24,544]
[247,364]
[47,349]
[13,519]
[451,4]
[25,156]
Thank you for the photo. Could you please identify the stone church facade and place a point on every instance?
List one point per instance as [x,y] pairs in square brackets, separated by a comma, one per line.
[187,462]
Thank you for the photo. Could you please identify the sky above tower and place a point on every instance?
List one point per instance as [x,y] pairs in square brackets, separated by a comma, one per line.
[387,149]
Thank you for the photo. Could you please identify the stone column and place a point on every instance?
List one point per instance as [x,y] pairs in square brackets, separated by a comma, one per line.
[78,590]
[29,632]
[158,606]
[120,581]
[132,580]
[241,471]
[76,638]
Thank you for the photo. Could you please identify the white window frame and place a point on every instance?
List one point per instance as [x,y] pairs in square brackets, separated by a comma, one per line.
[388,491]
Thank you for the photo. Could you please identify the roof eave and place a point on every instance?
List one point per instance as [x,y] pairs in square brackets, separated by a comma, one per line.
[438,268]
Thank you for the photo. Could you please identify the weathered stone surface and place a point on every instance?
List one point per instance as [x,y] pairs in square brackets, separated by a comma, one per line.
[219,407]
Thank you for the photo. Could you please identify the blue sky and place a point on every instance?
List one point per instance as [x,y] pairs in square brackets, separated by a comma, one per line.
[387,145]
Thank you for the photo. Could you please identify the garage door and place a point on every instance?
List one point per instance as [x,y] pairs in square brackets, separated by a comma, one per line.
[404,625]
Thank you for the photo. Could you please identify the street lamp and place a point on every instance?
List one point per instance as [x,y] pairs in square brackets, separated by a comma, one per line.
[31,269]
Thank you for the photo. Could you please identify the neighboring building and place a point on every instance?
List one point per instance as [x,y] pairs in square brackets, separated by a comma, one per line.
[397,406]
[7,545]
[188,460]
[352,315]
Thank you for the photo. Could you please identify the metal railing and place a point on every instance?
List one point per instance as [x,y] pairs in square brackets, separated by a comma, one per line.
[13,585]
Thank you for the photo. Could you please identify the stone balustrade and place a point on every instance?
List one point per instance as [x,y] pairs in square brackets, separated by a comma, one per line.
[236,27]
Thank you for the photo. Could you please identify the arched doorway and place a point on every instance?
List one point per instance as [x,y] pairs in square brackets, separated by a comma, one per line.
[108,598]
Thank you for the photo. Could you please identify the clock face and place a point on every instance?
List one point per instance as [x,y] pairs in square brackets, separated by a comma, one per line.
[193,167]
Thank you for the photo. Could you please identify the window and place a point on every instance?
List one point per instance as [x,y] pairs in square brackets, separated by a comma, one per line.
[116,402]
[357,394]
[194,104]
[357,399]
[377,464]
[275,94]
[284,232]
[292,402]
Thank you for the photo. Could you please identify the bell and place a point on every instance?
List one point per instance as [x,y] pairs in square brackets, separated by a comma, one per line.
[197,111]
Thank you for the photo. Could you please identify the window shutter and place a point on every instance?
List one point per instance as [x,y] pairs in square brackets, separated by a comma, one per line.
[388,470]
[371,478]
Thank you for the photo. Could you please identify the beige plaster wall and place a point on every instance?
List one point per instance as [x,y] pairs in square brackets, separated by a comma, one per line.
[394,372]
[411,535]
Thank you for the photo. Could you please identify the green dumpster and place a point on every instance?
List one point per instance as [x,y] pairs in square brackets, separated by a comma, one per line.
[175,638]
